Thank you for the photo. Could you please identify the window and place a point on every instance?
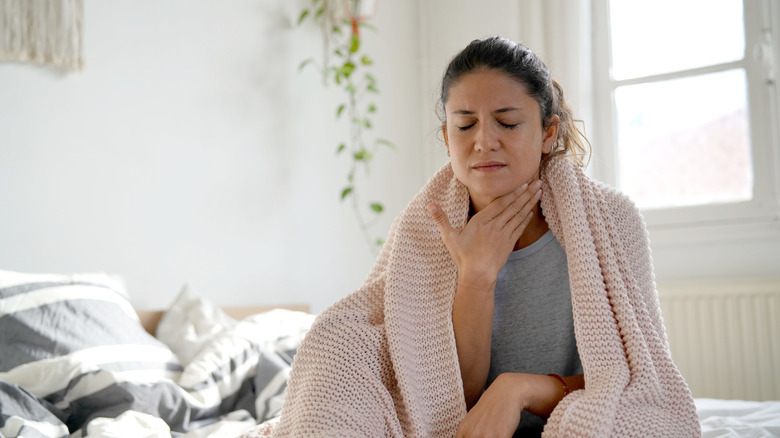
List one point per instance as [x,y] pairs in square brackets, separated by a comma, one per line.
[687,108]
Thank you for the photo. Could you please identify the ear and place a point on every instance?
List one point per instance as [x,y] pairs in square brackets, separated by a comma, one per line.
[446,139]
[550,134]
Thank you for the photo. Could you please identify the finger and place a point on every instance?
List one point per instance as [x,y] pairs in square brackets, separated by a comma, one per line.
[524,217]
[440,218]
[516,210]
[500,204]
[522,225]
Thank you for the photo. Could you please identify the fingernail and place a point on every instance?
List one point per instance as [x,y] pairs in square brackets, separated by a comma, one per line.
[523,187]
[432,208]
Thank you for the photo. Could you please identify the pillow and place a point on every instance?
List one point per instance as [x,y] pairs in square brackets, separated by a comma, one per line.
[64,337]
[190,323]
[256,354]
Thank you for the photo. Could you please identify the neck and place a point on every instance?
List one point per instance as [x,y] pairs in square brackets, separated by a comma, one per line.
[535,229]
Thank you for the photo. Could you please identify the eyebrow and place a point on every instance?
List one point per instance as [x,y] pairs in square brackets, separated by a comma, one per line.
[500,110]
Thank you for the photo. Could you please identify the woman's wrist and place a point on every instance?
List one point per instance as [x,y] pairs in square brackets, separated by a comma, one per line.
[520,389]
[540,394]
[474,280]
[564,383]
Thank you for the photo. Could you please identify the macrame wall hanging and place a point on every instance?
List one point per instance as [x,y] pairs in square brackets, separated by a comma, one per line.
[47,32]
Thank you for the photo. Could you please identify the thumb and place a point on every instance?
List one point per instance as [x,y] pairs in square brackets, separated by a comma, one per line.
[440,217]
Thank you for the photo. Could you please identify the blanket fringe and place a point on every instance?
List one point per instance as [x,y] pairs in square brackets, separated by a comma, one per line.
[48,32]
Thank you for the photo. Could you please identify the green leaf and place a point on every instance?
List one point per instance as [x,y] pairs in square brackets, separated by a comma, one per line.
[380,242]
[303,16]
[347,69]
[367,123]
[341,147]
[303,64]
[384,142]
[346,192]
[320,11]
[370,78]
[372,88]
[367,25]
[337,30]
[350,88]
[362,155]
[377,207]
[366,60]
[372,108]
[354,44]
[340,110]
[335,72]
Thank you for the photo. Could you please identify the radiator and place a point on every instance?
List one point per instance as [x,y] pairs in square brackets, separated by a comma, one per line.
[725,336]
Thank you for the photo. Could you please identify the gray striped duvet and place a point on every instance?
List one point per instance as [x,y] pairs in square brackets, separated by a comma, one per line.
[75,361]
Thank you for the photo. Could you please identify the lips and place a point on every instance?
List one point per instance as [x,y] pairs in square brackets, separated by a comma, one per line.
[488,166]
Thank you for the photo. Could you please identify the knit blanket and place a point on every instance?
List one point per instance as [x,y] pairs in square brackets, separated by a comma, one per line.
[382,361]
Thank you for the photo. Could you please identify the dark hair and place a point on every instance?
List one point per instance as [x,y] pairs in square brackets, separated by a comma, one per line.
[520,63]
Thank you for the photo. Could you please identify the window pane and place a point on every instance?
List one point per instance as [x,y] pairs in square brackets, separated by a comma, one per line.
[685,141]
[661,36]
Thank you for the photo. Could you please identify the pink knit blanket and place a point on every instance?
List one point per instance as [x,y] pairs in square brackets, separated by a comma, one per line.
[382,361]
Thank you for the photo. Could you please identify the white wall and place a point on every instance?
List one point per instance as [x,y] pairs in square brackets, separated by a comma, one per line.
[190,150]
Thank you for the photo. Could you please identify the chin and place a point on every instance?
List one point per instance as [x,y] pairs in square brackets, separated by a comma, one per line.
[491,193]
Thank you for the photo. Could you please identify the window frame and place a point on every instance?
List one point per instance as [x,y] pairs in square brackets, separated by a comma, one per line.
[758,217]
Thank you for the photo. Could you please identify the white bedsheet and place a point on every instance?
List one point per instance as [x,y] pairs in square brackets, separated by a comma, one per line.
[738,418]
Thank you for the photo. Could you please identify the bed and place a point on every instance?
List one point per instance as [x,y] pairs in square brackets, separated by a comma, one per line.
[76,359]
[738,418]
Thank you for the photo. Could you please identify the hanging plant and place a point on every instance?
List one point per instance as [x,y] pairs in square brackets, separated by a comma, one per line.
[346,65]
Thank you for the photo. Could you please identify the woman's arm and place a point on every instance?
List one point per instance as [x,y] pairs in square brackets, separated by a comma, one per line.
[541,394]
[472,320]
[497,414]
[479,251]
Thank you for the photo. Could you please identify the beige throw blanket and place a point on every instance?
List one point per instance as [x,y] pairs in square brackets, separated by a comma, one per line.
[382,361]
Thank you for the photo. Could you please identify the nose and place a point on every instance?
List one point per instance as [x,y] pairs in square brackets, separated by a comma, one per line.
[486,138]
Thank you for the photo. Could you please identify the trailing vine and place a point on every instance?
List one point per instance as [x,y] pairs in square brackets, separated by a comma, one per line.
[346,65]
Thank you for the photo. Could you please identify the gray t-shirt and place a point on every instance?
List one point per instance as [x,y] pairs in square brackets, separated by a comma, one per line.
[533,328]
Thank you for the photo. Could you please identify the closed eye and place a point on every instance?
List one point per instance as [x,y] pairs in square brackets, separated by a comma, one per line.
[509,126]
[465,128]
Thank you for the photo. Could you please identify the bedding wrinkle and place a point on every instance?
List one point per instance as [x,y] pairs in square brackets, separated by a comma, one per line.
[76,361]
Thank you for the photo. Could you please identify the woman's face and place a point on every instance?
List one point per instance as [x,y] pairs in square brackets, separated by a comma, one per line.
[494,134]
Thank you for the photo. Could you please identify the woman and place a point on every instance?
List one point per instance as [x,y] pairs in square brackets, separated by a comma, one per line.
[509,265]
[503,114]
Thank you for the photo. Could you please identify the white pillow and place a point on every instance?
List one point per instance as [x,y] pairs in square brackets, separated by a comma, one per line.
[66,336]
[259,348]
[190,324]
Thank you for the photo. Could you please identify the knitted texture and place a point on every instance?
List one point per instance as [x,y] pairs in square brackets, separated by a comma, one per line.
[382,361]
